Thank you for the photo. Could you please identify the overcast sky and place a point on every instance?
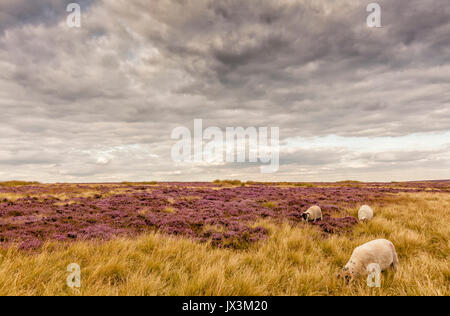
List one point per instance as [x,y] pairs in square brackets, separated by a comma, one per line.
[99,103]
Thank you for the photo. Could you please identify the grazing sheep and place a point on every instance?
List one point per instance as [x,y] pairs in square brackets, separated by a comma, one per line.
[380,251]
[312,214]
[365,213]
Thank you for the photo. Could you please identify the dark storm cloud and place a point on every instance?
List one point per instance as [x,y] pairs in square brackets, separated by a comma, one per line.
[313,157]
[103,98]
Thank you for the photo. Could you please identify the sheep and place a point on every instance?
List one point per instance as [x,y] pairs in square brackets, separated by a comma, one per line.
[365,213]
[380,251]
[312,214]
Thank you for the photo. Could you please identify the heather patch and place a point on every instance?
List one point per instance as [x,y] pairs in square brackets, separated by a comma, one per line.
[188,210]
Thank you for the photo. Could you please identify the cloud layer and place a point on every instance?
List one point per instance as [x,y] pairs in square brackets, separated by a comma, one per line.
[99,103]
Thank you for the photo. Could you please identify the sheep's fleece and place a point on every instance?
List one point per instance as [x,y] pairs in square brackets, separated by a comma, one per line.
[380,251]
[313,213]
[365,213]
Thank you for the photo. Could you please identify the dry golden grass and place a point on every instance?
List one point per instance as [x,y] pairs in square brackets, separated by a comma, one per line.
[71,192]
[15,183]
[293,261]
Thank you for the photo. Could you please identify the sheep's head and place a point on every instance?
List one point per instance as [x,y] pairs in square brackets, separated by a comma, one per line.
[347,275]
[305,216]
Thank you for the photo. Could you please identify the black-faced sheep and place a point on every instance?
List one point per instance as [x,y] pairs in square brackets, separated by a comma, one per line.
[312,214]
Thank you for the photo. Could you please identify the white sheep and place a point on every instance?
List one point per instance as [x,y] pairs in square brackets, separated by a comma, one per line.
[365,213]
[380,251]
[312,214]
